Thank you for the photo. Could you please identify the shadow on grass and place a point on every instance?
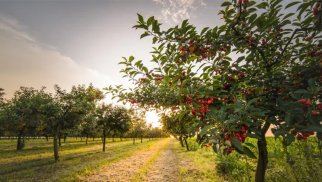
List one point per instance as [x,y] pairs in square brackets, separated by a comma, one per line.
[41,149]
[37,163]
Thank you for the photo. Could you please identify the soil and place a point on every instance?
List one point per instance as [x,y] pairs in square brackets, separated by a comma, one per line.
[163,168]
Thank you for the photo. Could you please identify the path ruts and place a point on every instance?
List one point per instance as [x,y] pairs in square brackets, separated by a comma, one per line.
[165,167]
[126,169]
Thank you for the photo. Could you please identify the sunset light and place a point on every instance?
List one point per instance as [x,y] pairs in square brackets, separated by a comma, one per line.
[160,90]
[153,118]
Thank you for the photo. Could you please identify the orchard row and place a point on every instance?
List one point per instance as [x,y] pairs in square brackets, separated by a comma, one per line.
[79,112]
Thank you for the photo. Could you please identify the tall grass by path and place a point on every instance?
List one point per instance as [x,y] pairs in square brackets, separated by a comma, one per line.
[198,165]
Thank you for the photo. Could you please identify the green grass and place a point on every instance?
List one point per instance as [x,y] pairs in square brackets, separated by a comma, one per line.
[303,163]
[197,165]
[36,163]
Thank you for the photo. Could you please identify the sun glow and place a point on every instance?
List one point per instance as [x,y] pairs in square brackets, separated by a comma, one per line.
[152,117]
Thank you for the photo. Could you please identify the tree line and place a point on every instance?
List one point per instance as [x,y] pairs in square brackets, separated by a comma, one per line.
[79,112]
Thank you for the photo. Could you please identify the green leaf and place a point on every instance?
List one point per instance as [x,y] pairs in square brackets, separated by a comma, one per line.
[289,139]
[301,91]
[262,5]
[226,3]
[214,147]
[205,129]
[238,146]
[291,4]
[144,35]
[252,18]
[131,58]
[154,40]
[250,145]
[288,15]
[204,30]
[150,21]
[249,153]
[303,7]
[184,23]
[240,59]
[140,17]
[156,27]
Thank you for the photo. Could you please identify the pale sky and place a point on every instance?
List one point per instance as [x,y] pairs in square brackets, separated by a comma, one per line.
[69,42]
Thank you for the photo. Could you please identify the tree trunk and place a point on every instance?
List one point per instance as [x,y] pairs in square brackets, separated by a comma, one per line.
[181,142]
[141,139]
[86,139]
[104,140]
[81,139]
[186,142]
[59,140]
[46,138]
[133,140]
[56,147]
[113,140]
[20,141]
[65,137]
[262,155]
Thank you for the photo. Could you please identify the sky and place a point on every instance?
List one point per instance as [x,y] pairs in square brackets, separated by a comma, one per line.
[71,42]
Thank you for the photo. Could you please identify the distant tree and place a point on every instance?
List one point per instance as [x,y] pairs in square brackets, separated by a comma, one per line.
[2,93]
[139,129]
[88,126]
[2,104]
[112,119]
[21,114]
[179,124]
[66,110]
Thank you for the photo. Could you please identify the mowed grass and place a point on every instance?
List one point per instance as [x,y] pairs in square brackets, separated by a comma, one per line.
[36,162]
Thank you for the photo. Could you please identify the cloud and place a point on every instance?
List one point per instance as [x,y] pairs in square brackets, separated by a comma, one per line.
[26,62]
[174,11]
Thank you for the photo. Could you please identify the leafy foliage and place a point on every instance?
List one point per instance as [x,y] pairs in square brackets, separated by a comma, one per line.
[259,69]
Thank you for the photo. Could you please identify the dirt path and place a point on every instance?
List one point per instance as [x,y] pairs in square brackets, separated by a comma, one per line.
[126,169]
[165,167]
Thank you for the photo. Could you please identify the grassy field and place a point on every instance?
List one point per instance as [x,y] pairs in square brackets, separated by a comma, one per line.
[198,164]
[302,163]
[36,163]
